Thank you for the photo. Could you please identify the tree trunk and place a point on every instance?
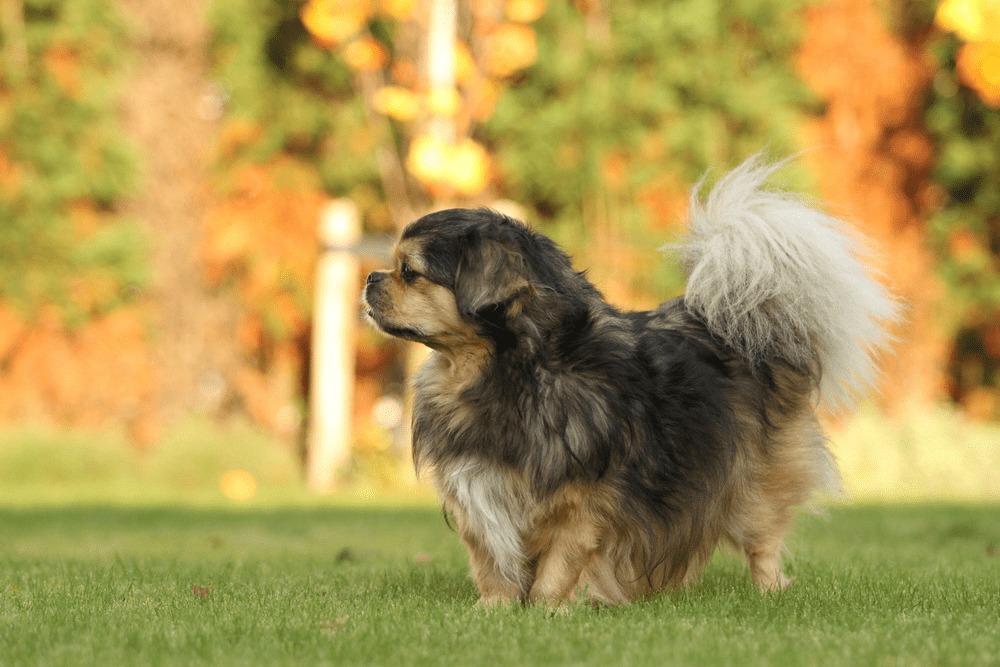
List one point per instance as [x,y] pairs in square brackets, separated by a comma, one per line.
[172,111]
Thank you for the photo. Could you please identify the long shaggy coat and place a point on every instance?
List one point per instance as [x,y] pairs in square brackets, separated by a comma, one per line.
[584,451]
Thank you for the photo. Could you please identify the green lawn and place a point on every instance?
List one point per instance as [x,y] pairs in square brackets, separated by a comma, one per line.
[106,585]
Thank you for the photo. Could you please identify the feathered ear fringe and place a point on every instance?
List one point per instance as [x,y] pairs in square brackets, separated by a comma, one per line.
[778,280]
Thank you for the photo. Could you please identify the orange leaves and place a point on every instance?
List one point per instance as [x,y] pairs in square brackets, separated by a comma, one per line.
[400,10]
[238,134]
[397,102]
[344,23]
[365,55]
[438,110]
[524,11]
[964,247]
[12,327]
[92,292]
[64,66]
[972,20]
[978,68]
[466,69]
[428,159]
[332,22]
[404,105]
[261,238]
[511,47]
[875,155]
[665,201]
[468,167]
[263,232]
[10,176]
[978,23]
[444,102]
[87,377]
[440,166]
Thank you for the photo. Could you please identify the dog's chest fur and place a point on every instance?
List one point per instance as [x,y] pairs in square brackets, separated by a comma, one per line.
[496,451]
[488,501]
[492,506]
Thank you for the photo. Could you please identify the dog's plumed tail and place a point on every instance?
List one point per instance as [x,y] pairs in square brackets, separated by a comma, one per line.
[777,280]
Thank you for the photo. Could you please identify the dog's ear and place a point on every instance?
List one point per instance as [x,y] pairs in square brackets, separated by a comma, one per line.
[490,276]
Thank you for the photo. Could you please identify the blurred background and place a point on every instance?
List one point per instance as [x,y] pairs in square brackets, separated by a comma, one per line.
[165,166]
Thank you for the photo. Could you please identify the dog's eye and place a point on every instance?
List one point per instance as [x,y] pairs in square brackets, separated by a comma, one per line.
[407,273]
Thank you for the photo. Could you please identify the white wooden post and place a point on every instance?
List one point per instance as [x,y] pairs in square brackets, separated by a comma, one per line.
[335,321]
[442,27]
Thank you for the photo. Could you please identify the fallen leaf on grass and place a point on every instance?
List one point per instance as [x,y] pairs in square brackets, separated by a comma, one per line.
[334,624]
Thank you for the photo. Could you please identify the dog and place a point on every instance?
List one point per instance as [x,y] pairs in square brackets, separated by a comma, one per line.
[587,453]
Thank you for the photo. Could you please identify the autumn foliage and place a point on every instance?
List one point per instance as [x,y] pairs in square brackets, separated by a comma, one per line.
[592,118]
[874,166]
[436,113]
[91,376]
[73,266]
[977,23]
[260,241]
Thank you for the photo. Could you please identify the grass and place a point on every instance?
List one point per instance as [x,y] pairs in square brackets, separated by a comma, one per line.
[101,563]
[326,585]
[934,454]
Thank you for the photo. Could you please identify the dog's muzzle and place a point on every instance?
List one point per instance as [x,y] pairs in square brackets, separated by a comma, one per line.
[373,288]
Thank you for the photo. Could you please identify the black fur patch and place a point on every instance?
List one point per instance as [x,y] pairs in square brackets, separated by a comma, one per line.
[575,389]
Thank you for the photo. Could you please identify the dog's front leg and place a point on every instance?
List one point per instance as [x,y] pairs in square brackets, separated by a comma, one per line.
[567,547]
[494,587]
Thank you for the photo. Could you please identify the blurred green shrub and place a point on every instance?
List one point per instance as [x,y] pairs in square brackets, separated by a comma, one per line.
[287,96]
[65,167]
[621,113]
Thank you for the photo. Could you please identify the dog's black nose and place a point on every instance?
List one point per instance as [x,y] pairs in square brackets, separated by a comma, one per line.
[375,276]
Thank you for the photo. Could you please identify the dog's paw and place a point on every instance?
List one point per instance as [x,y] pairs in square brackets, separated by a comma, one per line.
[779,583]
[496,602]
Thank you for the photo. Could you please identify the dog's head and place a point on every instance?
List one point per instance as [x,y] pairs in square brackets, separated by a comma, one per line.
[474,278]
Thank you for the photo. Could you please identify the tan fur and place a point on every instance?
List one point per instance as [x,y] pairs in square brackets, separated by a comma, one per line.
[431,309]
[565,543]
[776,476]
[580,546]
[579,542]
[492,586]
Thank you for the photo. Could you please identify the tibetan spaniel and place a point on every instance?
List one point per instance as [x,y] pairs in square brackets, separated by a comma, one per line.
[590,453]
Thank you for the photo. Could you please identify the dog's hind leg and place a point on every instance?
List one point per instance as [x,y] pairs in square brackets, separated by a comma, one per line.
[763,550]
[560,567]
[797,466]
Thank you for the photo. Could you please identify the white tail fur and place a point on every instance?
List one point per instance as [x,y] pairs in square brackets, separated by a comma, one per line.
[776,279]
